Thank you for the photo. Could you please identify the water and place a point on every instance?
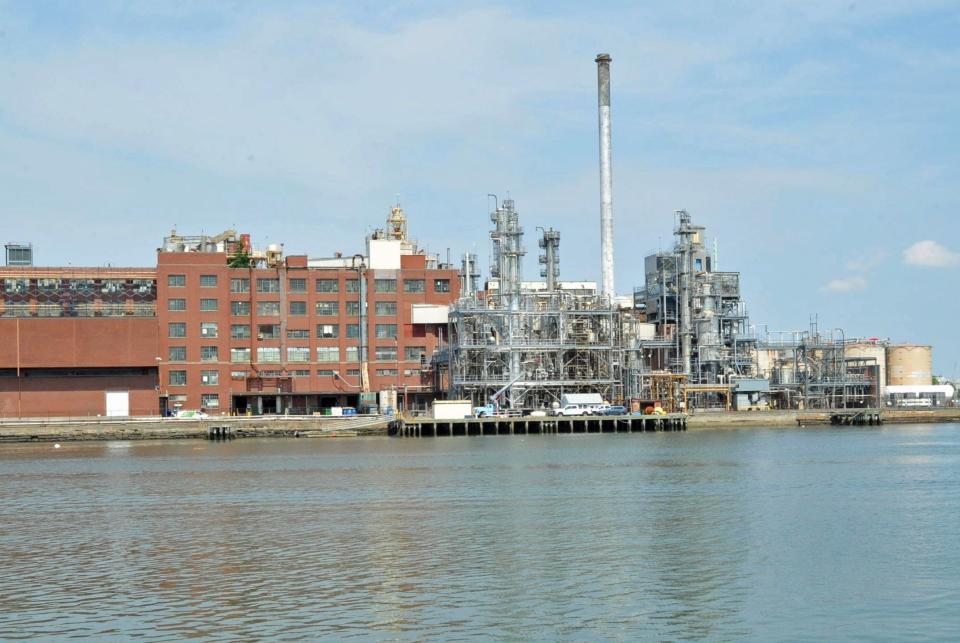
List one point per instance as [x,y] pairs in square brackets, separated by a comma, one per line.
[761,534]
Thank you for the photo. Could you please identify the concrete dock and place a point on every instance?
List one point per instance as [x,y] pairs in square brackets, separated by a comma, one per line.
[154,428]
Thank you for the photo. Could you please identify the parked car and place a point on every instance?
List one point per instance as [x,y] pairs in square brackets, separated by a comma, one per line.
[616,410]
[596,409]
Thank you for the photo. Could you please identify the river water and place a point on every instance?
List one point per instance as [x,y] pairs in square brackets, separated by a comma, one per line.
[762,534]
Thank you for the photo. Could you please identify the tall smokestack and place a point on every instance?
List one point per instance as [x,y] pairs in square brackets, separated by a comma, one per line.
[606,177]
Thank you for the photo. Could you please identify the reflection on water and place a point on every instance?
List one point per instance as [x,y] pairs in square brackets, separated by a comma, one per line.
[759,534]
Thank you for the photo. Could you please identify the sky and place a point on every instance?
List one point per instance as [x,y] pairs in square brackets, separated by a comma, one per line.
[817,141]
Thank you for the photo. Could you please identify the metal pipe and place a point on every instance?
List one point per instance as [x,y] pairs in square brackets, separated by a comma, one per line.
[606,177]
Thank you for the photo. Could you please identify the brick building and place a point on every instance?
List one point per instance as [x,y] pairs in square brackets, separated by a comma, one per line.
[78,341]
[228,329]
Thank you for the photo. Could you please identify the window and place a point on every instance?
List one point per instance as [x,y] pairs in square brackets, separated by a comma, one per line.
[354,372]
[327,308]
[177,378]
[384,285]
[441,285]
[351,285]
[386,309]
[176,304]
[298,308]
[300,373]
[353,331]
[209,305]
[239,355]
[210,400]
[270,373]
[268,355]
[385,353]
[326,372]
[298,354]
[208,329]
[414,285]
[298,333]
[176,281]
[16,286]
[327,331]
[386,372]
[239,375]
[268,285]
[209,378]
[268,308]
[177,398]
[386,331]
[328,285]
[208,281]
[176,329]
[239,284]
[240,308]
[328,354]
[353,308]
[268,331]
[297,285]
[209,354]
[414,353]
[240,331]
[353,353]
[412,372]
[177,354]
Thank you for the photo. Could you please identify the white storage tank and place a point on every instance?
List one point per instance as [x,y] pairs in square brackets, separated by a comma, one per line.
[868,351]
[646,331]
[909,364]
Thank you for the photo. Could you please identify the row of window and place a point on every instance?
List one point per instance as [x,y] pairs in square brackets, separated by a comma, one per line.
[298,284]
[322,372]
[180,281]
[297,308]
[296,354]
[212,378]
[178,330]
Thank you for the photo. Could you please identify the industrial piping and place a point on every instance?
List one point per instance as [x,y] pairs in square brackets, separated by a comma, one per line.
[606,178]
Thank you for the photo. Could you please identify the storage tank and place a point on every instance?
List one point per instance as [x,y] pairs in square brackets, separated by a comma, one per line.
[909,364]
[867,351]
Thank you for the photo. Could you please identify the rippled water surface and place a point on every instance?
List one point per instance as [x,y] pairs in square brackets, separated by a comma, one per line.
[761,534]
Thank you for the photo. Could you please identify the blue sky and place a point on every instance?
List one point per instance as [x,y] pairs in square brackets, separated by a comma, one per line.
[818,141]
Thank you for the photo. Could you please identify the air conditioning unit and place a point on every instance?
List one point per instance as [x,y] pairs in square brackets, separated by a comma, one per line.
[260,336]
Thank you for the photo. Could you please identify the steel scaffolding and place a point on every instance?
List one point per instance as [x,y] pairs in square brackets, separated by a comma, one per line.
[528,348]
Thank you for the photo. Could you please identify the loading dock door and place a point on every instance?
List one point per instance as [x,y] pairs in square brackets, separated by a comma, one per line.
[118,403]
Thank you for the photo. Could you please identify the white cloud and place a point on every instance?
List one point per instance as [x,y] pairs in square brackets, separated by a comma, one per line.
[930,254]
[846,284]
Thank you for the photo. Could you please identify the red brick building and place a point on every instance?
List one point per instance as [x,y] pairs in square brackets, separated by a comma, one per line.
[75,340]
[227,329]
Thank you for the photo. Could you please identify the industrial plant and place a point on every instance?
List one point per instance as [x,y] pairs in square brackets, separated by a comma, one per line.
[221,327]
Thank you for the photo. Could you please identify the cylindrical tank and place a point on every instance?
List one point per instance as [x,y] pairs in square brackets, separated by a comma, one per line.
[909,364]
[868,351]
[646,331]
